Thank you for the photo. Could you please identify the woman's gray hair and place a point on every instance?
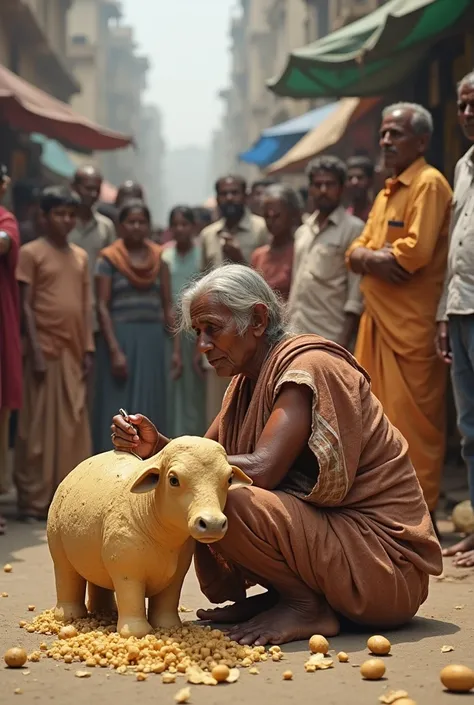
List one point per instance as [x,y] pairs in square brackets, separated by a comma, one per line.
[239,288]
[287,194]
[421,118]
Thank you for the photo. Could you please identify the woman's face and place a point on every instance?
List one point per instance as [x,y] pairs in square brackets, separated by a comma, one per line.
[135,227]
[228,352]
[278,217]
[182,229]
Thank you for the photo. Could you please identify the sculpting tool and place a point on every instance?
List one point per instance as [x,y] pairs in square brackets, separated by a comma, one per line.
[124,414]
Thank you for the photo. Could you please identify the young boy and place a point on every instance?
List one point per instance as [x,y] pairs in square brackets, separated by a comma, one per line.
[53,433]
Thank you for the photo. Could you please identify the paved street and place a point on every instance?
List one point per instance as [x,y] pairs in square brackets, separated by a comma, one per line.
[446,619]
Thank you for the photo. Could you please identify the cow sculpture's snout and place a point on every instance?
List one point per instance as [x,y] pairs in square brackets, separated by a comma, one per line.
[208,527]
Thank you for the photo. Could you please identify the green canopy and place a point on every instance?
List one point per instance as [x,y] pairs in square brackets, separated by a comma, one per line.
[372,54]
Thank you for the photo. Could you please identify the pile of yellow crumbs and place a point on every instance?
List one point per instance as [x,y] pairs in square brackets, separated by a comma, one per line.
[95,642]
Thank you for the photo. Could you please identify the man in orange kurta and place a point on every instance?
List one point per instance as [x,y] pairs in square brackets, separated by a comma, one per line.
[402,255]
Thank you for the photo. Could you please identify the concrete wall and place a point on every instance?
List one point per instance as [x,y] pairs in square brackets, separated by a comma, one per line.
[83,18]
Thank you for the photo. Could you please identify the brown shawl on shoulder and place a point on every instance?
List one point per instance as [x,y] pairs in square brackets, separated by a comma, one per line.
[142,275]
[335,379]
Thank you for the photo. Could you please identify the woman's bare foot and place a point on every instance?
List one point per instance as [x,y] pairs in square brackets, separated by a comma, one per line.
[466,544]
[464,560]
[240,611]
[463,552]
[288,621]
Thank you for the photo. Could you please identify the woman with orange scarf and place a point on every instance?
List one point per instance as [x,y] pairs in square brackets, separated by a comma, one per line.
[134,307]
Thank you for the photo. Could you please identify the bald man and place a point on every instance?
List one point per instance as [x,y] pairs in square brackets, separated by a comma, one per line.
[93,231]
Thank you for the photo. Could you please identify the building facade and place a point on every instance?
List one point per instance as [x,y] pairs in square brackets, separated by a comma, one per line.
[151,154]
[112,75]
[124,86]
[262,35]
[87,43]
[33,44]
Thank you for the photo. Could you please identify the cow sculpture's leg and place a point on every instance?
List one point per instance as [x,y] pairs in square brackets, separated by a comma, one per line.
[163,608]
[101,600]
[70,586]
[130,595]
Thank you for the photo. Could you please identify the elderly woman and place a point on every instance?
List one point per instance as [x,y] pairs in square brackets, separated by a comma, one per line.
[335,524]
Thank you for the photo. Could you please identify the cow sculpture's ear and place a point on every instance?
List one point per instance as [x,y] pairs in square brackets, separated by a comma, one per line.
[239,478]
[147,481]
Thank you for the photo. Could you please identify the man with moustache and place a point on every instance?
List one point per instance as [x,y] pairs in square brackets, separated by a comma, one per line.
[239,232]
[325,297]
[402,257]
[233,238]
[455,340]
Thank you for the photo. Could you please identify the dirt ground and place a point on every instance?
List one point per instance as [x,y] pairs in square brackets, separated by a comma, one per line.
[447,618]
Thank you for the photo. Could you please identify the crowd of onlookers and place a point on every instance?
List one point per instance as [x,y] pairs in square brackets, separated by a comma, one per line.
[90,299]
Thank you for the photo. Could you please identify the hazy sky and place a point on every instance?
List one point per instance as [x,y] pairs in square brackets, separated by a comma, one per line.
[187,42]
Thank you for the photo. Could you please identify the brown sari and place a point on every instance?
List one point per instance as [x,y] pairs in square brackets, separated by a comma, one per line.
[349,520]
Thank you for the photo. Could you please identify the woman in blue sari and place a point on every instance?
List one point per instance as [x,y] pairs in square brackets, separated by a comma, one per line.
[134,308]
[186,387]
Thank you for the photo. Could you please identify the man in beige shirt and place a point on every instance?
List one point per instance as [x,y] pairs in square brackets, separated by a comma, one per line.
[325,296]
[233,239]
[238,233]
[93,231]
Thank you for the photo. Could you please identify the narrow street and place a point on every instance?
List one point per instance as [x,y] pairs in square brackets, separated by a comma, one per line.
[445,620]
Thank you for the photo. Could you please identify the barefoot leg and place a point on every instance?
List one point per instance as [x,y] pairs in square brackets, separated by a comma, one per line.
[101,601]
[300,611]
[291,619]
[463,546]
[240,611]
[464,560]
[130,595]
[70,586]
[163,607]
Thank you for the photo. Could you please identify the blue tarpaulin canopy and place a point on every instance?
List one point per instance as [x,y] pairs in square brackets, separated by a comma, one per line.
[276,141]
[54,157]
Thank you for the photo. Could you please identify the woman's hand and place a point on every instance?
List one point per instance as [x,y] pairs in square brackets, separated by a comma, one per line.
[119,365]
[143,443]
